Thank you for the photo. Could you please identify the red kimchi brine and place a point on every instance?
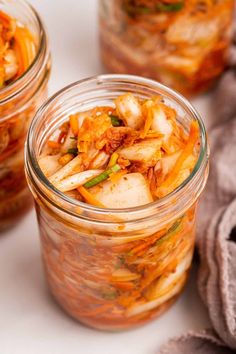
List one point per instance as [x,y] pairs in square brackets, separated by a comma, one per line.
[182,43]
[116,165]
[24,68]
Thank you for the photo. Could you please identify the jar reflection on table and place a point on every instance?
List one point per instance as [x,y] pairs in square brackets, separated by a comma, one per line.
[19,101]
[183,44]
[114,269]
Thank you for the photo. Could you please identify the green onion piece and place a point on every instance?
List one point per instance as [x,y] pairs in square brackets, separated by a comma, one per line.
[171,232]
[170,7]
[115,121]
[134,10]
[120,262]
[142,10]
[102,177]
[73,137]
[73,151]
[110,295]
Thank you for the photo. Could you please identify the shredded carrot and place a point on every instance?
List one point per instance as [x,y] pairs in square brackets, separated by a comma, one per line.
[83,146]
[5,19]
[63,160]
[89,197]
[148,123]
[53,144]
[145,245]
[74,123]
[125,286]
[169,112]
[115,177]
[154,134]
[193,137]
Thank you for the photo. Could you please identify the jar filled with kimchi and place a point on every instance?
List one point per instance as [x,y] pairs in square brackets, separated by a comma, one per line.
[24,73]
[181,43]
[116,165]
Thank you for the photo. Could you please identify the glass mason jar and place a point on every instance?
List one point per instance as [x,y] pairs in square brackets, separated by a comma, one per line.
[114,268]
[18,104]
[183,44]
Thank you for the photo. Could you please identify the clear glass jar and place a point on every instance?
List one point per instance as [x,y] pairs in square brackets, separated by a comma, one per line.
[113,268]
[18,103]
[183,44]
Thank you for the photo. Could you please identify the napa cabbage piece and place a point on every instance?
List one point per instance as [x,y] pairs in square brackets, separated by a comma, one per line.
[144,151]
[129,110]
[160,122]
[131,190]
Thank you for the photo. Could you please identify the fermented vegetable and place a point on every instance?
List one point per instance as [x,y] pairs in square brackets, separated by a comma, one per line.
[183,44]
[118,281]
[19,99]
[17,49]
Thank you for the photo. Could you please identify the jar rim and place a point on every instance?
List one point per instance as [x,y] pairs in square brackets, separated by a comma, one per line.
[20,81]
[32,165]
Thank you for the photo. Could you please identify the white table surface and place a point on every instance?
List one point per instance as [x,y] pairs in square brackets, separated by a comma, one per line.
[30,322]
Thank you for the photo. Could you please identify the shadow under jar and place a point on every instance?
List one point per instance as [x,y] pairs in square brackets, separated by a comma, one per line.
[113,269]
[183,44]
[20,97]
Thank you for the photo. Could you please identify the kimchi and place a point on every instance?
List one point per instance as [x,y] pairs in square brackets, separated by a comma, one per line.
[182,43]
[20,96]
[125,155]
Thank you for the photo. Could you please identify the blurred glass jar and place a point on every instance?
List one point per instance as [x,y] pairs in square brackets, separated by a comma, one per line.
[19,101]
[183,44]
[114,268]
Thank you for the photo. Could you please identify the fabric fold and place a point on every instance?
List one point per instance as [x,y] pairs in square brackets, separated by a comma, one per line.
[217,275]
[204,342]
[216,234]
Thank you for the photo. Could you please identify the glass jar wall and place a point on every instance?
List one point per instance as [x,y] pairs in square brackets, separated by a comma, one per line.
[114,268]
[19,100]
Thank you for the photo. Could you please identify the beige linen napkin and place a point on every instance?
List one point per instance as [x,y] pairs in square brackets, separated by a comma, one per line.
[216,236]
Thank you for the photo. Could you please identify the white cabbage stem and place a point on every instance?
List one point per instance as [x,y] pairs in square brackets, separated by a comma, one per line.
[66,170]
[130,110]
[49,164]
[76,180]
[148,306]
